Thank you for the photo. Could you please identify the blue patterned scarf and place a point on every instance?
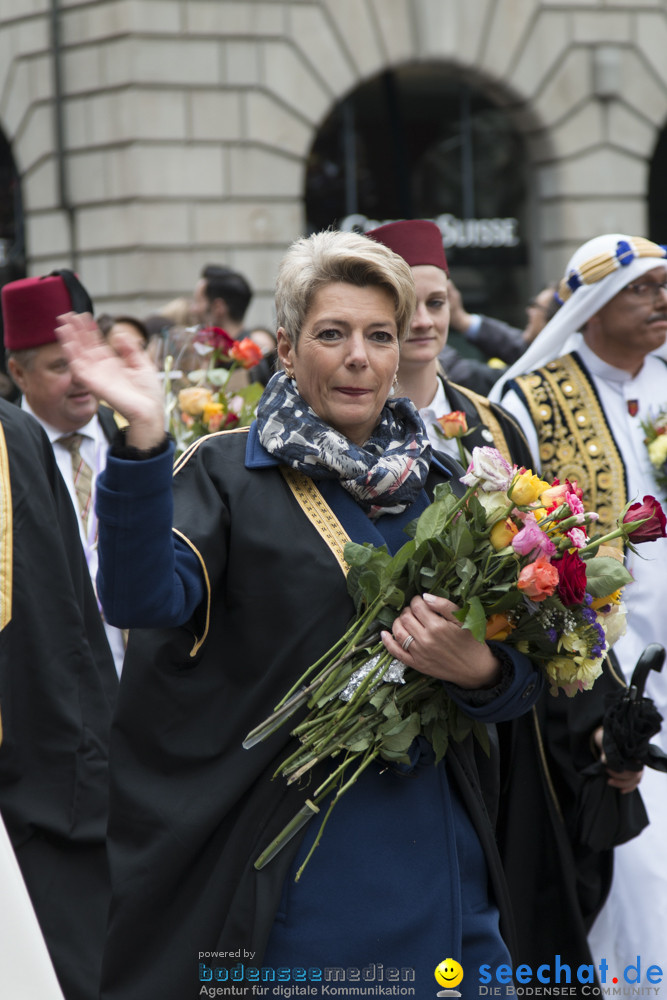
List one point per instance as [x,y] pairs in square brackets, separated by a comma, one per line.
[385,475]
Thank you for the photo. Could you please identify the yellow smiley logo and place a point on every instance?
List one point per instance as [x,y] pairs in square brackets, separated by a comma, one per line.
[448,973]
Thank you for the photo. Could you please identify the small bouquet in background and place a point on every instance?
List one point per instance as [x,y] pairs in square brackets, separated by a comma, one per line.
[655,431]
[215,398]
[515,554]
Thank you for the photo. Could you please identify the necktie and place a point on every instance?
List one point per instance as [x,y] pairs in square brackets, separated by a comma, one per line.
[83,475]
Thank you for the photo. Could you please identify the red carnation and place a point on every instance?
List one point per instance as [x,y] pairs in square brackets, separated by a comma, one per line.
[651,513]
[571,578]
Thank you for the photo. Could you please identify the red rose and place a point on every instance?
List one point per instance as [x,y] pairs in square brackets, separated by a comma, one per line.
[651,513]
[571,578]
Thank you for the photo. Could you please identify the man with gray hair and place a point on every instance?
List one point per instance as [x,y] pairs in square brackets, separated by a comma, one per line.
[592,380]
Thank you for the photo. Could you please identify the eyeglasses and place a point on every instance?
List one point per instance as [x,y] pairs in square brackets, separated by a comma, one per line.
[647,290]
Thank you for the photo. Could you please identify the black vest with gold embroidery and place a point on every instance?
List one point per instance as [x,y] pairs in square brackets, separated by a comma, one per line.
[575,439]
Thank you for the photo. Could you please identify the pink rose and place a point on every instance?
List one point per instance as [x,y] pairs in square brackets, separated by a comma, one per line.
[531,538]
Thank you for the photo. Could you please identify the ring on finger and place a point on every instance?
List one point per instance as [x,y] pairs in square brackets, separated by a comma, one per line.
[407,642]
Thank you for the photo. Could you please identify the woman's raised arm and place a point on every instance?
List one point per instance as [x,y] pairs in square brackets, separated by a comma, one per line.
[124,378]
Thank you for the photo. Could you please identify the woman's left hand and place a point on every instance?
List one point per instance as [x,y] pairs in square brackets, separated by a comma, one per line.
[439,645]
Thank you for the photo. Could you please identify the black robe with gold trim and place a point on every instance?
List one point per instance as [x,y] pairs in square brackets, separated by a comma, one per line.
[191,809]
[57,687]
[486,418]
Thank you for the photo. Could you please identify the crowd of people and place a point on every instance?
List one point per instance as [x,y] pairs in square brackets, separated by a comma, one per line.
[154,609]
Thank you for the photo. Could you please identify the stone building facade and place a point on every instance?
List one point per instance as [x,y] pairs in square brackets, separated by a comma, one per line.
[150,137]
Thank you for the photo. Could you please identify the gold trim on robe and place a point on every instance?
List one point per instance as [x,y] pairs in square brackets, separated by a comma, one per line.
[576,442]
[319,513]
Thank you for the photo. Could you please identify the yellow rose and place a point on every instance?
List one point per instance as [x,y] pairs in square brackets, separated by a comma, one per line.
[657,451]
[527,488]
[193,399]
[212,411]
[502,533]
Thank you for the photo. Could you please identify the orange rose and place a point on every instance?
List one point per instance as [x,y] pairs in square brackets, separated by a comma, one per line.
[454,424]
[498,627]
[539,579]
[246,352]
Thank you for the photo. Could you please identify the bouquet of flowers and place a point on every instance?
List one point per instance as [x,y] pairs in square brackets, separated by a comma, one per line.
[515,554]
[215,399]
[655,439]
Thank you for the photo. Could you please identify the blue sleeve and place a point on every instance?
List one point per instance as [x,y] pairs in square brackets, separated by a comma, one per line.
[147,577]
[515,699]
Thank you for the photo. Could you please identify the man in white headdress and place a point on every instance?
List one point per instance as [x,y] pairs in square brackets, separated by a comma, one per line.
[582,414]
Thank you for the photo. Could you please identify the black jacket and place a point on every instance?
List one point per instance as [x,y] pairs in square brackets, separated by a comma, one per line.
[57,688]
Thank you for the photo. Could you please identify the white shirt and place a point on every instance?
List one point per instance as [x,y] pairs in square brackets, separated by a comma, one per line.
[94,448]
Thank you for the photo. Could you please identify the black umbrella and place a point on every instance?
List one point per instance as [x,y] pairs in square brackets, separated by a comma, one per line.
[605,817]
[630,720]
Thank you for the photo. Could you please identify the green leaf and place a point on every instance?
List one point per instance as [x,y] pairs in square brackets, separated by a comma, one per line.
[604,575]
[397,564]
[472,617]
[356,554]
[399,738]
[466,570]
[461,539]
[432,521]
[358,745]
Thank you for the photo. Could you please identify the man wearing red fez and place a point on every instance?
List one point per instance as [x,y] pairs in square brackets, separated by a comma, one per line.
[57,689]
[78,429]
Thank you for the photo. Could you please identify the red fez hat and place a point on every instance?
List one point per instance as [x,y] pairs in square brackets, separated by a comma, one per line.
[417,241]
[31,306]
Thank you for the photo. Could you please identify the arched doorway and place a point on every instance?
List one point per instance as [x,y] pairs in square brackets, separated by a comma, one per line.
[419,141]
